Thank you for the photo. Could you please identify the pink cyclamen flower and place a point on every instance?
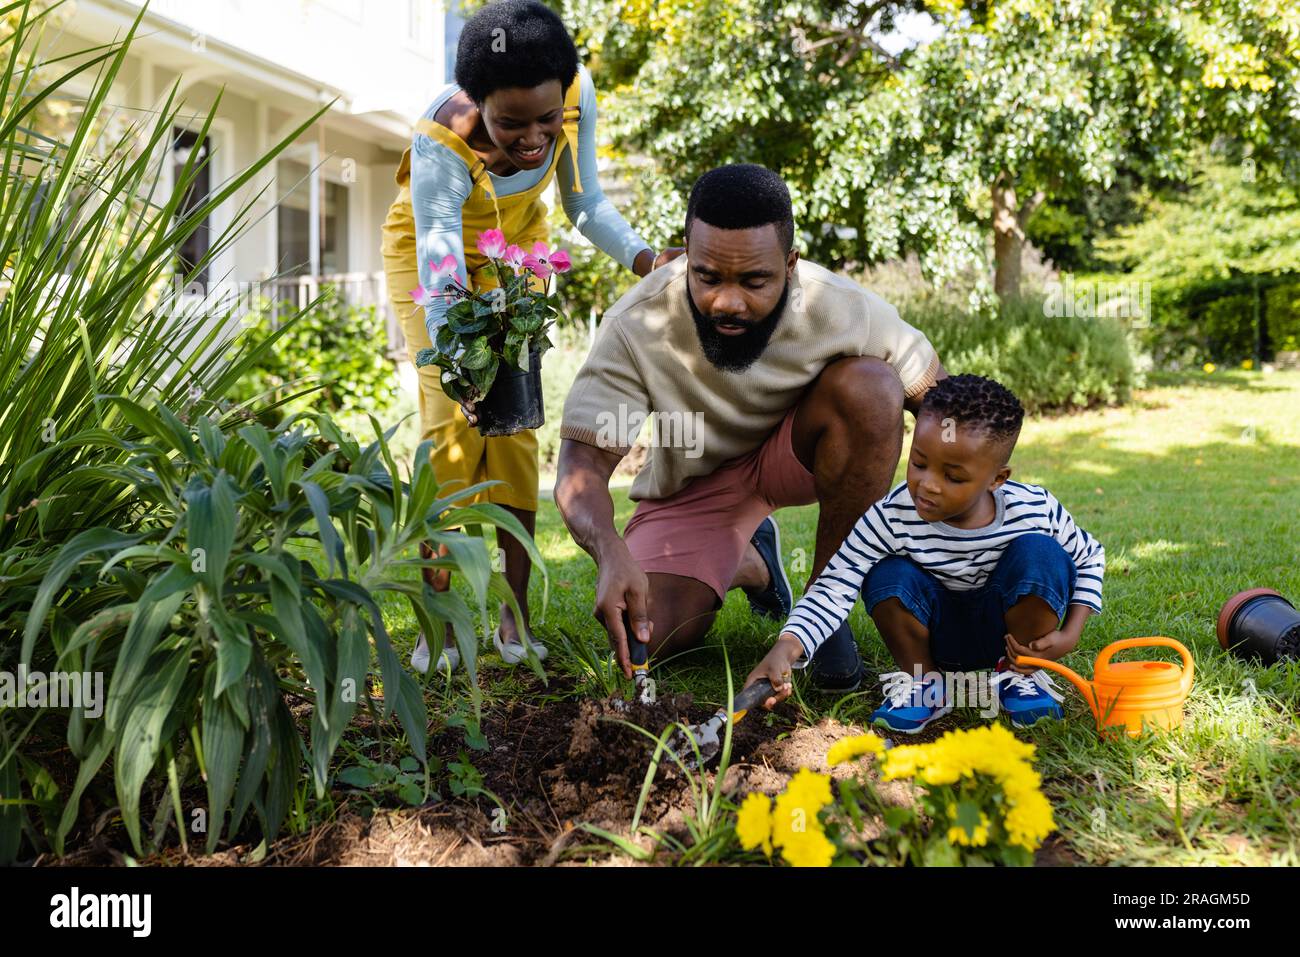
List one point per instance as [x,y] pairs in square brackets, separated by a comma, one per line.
[557,259]
[538,267]
[492,243]
[422,296]
[514,258]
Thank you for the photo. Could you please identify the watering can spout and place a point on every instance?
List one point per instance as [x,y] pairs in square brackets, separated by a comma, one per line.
[1085,687]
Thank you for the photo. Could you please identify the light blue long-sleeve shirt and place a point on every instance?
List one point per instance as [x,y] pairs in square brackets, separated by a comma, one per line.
[440,185]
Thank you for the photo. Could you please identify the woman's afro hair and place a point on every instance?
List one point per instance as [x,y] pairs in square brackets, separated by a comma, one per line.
[514,43]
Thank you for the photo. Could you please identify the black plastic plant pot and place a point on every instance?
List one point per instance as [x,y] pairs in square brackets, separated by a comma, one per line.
[514,402]
[1260,625]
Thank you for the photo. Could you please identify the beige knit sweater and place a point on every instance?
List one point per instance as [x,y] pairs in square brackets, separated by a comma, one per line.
[646,369]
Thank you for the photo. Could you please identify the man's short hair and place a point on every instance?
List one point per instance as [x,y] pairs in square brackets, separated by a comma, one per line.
[514,43]
[742,196]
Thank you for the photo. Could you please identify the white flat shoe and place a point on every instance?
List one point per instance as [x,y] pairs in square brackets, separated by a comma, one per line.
[514,653]
[449,660]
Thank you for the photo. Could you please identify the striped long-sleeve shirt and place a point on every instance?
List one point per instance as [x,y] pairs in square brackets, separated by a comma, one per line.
[960,558]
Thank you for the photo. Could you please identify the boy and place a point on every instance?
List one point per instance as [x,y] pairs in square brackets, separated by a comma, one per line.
[959,568]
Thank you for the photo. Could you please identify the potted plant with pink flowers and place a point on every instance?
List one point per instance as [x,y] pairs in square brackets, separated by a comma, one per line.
[491,345]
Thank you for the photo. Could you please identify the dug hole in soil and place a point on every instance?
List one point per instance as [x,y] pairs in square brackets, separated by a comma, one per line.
[561,764]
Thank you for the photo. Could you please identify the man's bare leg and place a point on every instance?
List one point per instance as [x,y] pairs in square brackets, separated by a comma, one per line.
[682,611]
[848,431]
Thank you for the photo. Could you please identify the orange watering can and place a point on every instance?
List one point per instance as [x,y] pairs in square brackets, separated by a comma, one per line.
[1132,694]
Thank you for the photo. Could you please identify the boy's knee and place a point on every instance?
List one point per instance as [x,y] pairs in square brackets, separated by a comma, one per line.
[1033,553]
[1035,564]
[895,571]
[900,578]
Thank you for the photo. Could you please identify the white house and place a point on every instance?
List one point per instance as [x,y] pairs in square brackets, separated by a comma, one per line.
[274,63]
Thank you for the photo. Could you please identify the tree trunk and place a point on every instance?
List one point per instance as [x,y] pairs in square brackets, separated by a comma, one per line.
[1009,235]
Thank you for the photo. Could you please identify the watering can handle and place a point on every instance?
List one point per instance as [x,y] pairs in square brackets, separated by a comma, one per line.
[1103,660]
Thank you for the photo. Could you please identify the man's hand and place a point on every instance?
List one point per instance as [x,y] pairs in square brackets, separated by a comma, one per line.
[1052,646]
[776,666]
[621,586]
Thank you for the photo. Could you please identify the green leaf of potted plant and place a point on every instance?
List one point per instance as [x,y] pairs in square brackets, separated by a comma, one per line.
[490,346]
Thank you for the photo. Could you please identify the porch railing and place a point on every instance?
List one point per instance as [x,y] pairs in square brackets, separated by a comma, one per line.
[362,289]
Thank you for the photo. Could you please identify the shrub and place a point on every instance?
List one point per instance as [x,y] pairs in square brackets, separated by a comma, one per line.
[334,346]
[1049,362]
[1221,257]
[117,463]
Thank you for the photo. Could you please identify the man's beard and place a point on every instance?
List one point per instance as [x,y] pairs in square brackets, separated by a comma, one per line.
[735,353]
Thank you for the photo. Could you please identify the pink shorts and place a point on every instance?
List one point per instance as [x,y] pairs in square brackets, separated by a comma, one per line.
[701,531]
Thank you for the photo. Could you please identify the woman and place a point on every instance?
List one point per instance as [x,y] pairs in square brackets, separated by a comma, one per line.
[522,110]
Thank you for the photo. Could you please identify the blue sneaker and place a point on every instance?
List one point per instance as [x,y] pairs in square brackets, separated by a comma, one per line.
[1027,699]
[909,704]
[837,666]
[776,600]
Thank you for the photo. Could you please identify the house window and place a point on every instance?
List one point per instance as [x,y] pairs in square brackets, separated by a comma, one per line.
[293,219]
[187,146]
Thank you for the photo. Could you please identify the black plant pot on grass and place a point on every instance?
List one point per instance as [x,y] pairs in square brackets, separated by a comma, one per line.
[514,402]
[1259,625]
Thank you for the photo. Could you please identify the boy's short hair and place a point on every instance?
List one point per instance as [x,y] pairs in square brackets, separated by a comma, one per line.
[514,43]
[973,400]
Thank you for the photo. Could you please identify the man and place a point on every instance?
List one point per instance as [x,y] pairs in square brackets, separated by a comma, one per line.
[780,384]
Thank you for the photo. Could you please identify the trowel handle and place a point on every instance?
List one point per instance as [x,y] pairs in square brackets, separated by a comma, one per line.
[751,697]
[637,652]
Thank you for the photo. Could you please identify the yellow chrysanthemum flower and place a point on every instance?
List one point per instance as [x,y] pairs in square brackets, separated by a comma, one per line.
[810,788]
[846,749]
[991,750]
[754,823]
[795,812]
[812,849]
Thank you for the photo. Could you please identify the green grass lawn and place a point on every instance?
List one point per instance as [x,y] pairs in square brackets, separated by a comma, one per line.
[1194,489]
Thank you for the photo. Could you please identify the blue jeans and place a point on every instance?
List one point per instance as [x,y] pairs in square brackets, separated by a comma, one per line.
[967,628]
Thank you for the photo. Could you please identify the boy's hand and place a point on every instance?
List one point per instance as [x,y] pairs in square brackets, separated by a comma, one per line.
[775,667]
[1052,646]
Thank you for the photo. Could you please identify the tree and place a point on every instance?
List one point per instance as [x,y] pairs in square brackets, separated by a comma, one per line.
[947,147]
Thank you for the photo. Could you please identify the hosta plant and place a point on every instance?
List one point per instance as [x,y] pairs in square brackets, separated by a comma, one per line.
[241,608]
[508,323]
